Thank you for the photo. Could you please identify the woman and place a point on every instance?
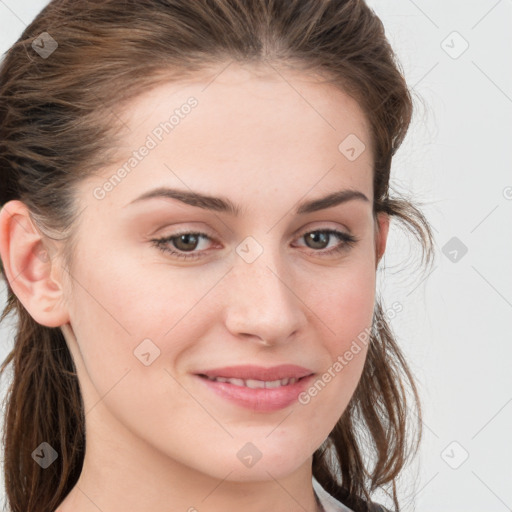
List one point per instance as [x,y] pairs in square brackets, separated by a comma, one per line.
[195,202]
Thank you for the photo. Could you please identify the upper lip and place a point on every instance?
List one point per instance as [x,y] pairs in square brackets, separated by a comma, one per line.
[283,371]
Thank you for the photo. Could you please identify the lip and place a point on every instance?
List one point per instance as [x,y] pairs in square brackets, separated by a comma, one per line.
[260,399]
[282,371]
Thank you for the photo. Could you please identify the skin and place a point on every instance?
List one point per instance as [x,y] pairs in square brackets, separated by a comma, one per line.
[157,439]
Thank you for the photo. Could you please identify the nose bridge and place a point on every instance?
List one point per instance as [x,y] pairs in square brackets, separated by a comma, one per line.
[261,299]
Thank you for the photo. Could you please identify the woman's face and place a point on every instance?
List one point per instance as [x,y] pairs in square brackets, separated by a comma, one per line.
[264,287]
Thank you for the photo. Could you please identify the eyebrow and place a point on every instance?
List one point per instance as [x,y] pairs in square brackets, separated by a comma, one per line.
[223,204]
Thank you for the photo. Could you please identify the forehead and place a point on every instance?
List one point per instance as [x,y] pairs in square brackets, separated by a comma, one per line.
[257,129]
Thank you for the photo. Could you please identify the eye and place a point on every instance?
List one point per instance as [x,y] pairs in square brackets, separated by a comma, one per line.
[184,242]
[180,244]
[319,237]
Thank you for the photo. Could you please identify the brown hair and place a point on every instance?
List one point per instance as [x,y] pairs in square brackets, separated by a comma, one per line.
[57,126]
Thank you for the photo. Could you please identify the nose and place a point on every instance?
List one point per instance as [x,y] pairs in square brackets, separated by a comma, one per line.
[261,301]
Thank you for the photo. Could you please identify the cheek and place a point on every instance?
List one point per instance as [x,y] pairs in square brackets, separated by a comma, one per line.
[344,305]
[344,312]
[127,310]
[124,349]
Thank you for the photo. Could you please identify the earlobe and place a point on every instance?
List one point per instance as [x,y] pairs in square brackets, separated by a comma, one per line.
[28,264]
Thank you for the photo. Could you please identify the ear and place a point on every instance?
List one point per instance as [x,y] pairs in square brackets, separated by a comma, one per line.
[381,236]
[29,267]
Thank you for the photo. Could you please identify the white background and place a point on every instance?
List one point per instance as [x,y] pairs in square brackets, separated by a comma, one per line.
[455,323]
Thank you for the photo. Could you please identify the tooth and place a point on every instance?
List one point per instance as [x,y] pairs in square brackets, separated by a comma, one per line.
[255,384]
[237,382]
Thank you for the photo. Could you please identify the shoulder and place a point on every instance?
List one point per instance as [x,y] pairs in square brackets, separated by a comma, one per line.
[331,504]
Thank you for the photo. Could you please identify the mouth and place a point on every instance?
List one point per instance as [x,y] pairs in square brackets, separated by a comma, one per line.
[257,373]
[257,394]
[256,383]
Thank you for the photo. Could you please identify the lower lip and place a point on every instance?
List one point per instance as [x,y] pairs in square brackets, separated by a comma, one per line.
[261,399]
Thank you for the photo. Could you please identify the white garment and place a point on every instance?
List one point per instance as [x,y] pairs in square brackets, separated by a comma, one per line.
[329,503]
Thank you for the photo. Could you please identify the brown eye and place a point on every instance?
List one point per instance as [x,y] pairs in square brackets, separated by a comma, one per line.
[186,242]
[179,244]
[319,239]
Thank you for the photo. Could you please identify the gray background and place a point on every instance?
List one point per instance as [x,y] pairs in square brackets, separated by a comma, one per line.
[456,161]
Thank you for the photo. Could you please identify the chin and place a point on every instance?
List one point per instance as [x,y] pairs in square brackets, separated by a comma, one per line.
[248,464]
[260,472]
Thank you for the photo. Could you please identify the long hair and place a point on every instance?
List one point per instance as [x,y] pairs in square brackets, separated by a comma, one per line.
[57,127]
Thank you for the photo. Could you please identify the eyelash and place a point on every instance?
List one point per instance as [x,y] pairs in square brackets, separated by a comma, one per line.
[163,243]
